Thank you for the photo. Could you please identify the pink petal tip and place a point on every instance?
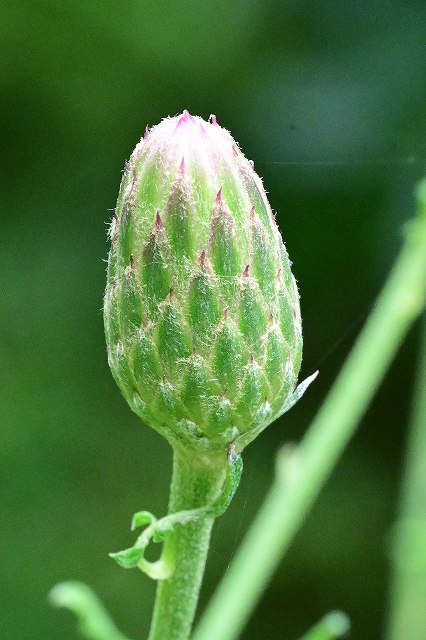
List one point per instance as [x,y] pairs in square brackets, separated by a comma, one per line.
[185,118]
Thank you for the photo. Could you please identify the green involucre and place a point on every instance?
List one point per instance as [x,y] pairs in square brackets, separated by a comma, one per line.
[201,308]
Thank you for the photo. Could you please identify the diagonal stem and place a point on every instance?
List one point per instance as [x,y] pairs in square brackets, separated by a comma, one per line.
[408,614]
[94,621]
[289,500]
[332,626]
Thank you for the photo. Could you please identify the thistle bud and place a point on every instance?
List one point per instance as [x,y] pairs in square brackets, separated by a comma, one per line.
[201,308]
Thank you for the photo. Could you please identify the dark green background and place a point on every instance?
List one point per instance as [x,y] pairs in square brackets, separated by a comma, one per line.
[329,99]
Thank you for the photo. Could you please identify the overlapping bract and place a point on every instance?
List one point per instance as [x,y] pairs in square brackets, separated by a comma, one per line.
[201,308]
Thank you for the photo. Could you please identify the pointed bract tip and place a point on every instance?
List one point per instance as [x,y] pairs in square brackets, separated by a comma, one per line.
[246,271]
[146,134]
[182,165]
[158,220]
[202,258]
[219,199]
[252,212]
[171,293]
[212,119]
[132,261]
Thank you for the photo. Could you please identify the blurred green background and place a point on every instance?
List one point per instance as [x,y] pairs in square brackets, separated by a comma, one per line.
[329,99]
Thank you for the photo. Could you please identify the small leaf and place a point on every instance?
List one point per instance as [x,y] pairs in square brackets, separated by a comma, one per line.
[142,518]
[129,558]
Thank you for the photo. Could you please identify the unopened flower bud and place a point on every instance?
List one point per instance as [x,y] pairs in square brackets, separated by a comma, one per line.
[201,308]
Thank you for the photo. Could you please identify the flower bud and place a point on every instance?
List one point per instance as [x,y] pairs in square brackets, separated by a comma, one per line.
[201,309]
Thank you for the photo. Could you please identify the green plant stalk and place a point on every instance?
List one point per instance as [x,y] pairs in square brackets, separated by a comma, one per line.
[334,625]
[292,495]
[408,610]
[194,484]
[94,621]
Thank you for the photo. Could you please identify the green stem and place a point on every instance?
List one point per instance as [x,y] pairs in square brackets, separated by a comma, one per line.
[408,614]
[334,625]
[94,621]
[293,494]
[194,484]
